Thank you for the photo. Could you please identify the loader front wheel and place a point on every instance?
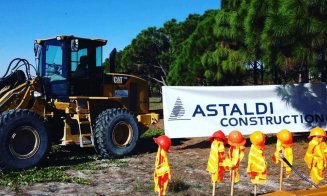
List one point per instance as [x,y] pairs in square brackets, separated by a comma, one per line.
[116,133]
[23,139]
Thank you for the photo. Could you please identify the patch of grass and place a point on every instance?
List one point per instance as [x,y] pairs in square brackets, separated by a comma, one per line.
[38,175]
[117,163]
[85,166]
[152,133]
[178,185]
[57,164]
[155,103]
[144,187]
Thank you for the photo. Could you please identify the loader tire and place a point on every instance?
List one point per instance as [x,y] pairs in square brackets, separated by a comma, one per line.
[23,139]
[116,133]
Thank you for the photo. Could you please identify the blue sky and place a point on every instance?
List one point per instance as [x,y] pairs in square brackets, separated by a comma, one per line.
[22,21]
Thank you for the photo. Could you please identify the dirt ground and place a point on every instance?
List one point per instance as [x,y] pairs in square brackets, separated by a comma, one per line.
[188,160]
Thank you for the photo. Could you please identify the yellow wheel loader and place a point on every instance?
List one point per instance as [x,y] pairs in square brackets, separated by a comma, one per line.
[72,101]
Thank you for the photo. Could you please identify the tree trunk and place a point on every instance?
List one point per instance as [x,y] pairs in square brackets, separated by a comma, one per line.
[304,74]
[255,72]
[324,67]
[262,72]
[274,68]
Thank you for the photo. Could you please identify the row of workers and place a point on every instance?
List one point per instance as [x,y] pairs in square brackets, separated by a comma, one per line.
[219,162]
[315,156]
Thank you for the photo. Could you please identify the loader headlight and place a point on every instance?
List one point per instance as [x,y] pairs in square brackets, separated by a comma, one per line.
[37,94]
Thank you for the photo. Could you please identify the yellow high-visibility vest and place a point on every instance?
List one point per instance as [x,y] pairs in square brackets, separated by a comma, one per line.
[257,165]
[215,162]
[316,160]
[287,153]
[232,162]
[162,172]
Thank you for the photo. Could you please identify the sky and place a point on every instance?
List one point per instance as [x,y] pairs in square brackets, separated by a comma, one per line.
[23,21]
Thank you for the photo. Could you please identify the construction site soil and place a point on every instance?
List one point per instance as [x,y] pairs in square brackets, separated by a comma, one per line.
[188,160]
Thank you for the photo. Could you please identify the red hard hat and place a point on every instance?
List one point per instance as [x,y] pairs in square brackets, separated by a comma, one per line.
[163,141]
[218,135]
[235,138]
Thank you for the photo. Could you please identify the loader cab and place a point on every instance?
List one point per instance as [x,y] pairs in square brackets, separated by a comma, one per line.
[70,66]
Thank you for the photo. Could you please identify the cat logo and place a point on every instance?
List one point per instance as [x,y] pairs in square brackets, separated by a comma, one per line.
[118,79]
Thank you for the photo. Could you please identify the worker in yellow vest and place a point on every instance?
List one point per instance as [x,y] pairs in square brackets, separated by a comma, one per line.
[162,169]
[235,154]
[284,146]
[217,156]
[315,157]
[257,165]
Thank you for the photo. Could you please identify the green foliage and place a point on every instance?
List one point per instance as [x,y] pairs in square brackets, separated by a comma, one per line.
[230,4]
[38,175]
[289,40]
[187,68]
[245,42]
[144,187]
[117,62]
[178,185]
[152,133]
[148,56]
[83,159]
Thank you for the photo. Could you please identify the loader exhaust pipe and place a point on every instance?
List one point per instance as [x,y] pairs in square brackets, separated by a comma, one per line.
[112,57]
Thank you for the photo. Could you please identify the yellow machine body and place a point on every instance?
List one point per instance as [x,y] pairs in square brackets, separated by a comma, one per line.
[87,107]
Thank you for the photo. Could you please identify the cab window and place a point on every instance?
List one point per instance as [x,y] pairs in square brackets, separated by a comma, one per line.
[54,64]
[76,58]
[99,56]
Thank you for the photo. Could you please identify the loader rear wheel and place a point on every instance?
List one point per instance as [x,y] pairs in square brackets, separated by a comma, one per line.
[23,139]
[116,133]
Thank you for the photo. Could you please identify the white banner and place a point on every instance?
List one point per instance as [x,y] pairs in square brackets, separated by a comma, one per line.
[200,111]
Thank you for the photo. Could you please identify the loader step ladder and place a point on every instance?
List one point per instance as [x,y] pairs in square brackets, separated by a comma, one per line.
[83,118]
